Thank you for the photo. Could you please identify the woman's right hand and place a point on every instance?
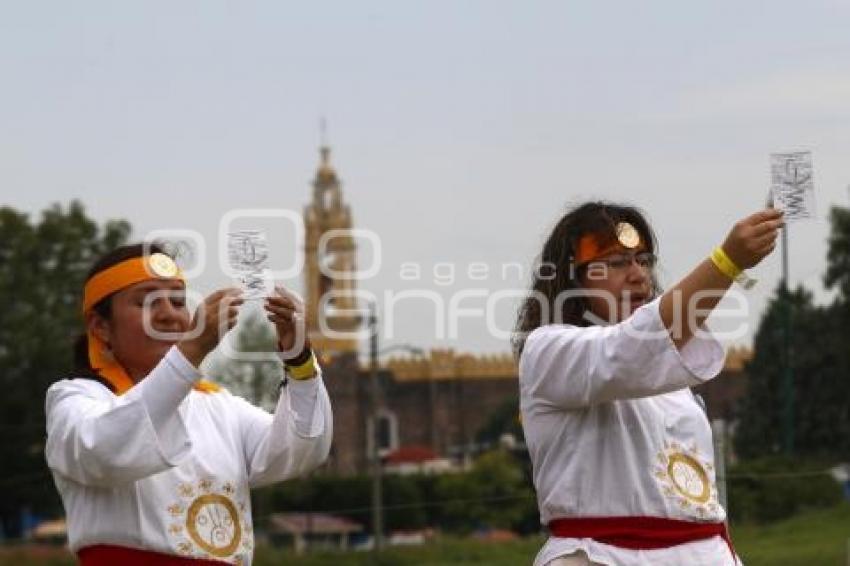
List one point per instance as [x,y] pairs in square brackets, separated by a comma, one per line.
[749,242]
[753,238]
[213,318]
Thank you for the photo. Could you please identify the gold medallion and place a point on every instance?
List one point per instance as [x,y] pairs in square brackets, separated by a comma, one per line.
[628,235]
[687,480]
[688,477]
[162,266]
[213,524]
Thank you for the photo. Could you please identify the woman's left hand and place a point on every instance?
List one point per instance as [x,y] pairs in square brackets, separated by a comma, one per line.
[286,312]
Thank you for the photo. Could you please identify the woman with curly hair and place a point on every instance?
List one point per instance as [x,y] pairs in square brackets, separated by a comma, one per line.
[621,449]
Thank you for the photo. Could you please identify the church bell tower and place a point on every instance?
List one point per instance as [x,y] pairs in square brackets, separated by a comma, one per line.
[330,268]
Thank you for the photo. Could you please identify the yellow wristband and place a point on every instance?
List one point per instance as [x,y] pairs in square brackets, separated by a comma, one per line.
[725,264]
[304,371]
[728,268]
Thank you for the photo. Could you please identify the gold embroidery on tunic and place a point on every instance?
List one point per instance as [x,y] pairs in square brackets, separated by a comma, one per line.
[689,478]
[213,524]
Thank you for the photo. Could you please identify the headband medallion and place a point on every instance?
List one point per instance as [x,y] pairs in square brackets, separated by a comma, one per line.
[627,235]
[162,266]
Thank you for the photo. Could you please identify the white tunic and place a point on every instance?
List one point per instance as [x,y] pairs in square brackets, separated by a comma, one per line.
[168,469]
[614,430]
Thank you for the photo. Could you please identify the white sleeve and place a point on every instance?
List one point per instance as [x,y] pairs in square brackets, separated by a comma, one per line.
[573,367]
[293,441]
[96,438]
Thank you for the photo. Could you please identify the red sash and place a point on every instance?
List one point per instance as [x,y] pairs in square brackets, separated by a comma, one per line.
[639,533]
[109,555]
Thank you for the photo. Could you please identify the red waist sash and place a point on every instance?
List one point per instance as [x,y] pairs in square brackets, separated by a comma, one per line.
[639,533]
[109,555]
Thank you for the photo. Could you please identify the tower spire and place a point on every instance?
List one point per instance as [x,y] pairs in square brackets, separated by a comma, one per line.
[323,132]
[324,147]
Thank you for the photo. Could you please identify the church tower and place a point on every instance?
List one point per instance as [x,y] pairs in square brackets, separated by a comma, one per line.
[332,273]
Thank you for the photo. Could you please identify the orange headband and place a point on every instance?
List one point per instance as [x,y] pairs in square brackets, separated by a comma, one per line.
[111,280]
[594,246]
[129,272]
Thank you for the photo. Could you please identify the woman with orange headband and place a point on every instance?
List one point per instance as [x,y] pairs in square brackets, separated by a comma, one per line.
[621,449]
[153,463]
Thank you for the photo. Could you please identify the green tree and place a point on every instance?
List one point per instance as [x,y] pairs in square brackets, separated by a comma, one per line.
[494,493]
[838,256]
[43,265]
[760,429]
[821,366]
[776,487]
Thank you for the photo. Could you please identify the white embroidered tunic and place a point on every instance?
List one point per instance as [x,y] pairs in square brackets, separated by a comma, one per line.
[167,468]
[613,430]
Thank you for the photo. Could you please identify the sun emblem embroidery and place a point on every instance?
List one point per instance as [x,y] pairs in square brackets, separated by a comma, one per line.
[207,523]
[213,524]
[687,479]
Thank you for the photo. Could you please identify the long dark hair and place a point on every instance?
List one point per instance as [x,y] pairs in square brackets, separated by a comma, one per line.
[104,306]
[556,271]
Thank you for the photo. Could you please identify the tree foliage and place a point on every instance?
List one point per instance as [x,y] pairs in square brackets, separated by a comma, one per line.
[820,358]
[772,488]
[494,493]
[43,265]
[838,256]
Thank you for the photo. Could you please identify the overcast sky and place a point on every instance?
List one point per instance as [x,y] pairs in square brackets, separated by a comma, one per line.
[461,130]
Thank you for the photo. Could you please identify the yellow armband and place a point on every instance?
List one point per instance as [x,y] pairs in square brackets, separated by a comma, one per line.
[728,268]
[303,371]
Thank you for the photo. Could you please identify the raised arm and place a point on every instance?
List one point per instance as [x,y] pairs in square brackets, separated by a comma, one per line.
[657,349]
[96,438]
[297,438]
[572,367]
[686,306]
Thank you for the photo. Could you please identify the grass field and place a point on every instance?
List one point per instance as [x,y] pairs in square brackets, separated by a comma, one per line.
[821,537]
[810,539]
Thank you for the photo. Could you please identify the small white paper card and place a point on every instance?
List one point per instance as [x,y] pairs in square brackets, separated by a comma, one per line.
[248,255]
[792,187]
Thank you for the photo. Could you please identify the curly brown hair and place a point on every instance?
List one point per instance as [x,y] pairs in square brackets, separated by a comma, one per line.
[556,270]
